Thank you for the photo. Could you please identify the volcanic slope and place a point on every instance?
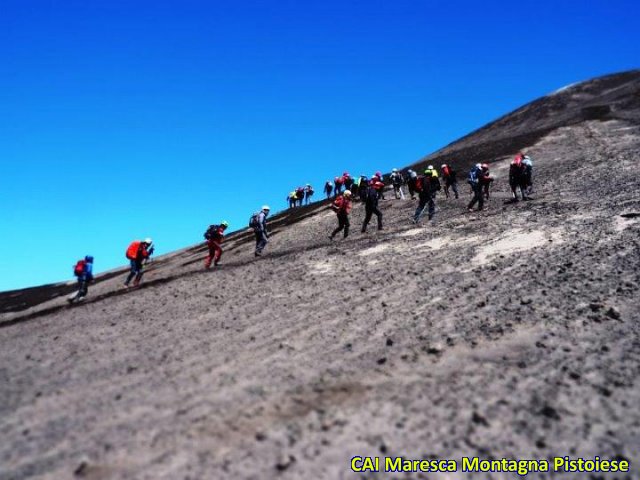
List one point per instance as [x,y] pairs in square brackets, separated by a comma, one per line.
[506,333]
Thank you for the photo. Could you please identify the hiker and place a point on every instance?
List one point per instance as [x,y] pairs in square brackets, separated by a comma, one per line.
[342,207]
[291,198]
[338,182]
[397,180]
[378,184]
[328,189]
[527,162]
[214,236]
[371,206]
[473,180]
[137,253]
[308,193]
[411,183]
[83,270]
[259,224]
[450,180]
[517,177]
[347,181]
[428,187]
[362,185]
[434,172]
[485,180]
[299,195]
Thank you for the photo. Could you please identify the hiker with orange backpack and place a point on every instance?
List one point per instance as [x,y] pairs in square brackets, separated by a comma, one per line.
[214,236]
[137,253]
[83,270]
[342,207]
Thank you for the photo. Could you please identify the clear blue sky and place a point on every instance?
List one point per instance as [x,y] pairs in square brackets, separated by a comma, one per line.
[120,120]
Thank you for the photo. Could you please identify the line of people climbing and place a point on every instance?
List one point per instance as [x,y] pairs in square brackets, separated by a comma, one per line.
[300,195]
[368,190]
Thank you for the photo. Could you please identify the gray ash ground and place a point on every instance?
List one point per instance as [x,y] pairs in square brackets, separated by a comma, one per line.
[507,333]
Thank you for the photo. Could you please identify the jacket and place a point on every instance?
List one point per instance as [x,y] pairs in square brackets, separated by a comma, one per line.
[342,205]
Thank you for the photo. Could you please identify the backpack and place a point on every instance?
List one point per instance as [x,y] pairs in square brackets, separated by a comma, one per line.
[132,251]
[253,220]
[79,268]
[417,186]
[211,232]
[473,176]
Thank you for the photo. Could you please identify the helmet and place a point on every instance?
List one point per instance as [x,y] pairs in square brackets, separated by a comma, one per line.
[148,241]
[266,207]
[308,184]
[478,165]
[394,170]
[443,165]
[88,259]
[430,167]
[484,166]
[224,224]
[347,193]
[378,174]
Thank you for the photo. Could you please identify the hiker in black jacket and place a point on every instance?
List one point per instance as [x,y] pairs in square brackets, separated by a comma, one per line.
[371,207]
[429,187]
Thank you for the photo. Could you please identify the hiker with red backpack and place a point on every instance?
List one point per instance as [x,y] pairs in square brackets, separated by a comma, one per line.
[137,253]
[517,177]
[485,180]
[342,207]
[450,180]
[428,185]
[83,270]
[214,236]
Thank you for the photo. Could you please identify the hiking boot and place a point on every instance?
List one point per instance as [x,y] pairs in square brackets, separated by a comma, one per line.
[258,254]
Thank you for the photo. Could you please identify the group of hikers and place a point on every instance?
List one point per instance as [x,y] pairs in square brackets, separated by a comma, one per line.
[344,190]
[299,195]
[138,253]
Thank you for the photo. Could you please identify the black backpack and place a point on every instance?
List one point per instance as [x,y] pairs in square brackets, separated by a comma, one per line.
[211,232]
[253,220]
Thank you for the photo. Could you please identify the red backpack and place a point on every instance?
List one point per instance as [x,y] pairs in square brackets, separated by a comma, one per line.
[79,268]
[132,251]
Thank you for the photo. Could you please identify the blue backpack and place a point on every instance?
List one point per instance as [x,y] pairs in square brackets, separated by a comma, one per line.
[473,177]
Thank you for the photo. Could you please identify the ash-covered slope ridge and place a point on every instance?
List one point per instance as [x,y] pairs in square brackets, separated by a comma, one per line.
[610,97]
[509,333]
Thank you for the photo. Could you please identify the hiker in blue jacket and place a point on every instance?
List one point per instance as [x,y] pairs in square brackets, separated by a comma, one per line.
[84,272]
[476,186]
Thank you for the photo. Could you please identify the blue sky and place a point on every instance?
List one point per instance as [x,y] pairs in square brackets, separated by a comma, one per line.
[121,120]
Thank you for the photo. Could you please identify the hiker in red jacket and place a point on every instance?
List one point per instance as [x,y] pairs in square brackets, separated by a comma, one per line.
[214,236]
[377,183]
[137,253]
[485,180]
[342,207]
